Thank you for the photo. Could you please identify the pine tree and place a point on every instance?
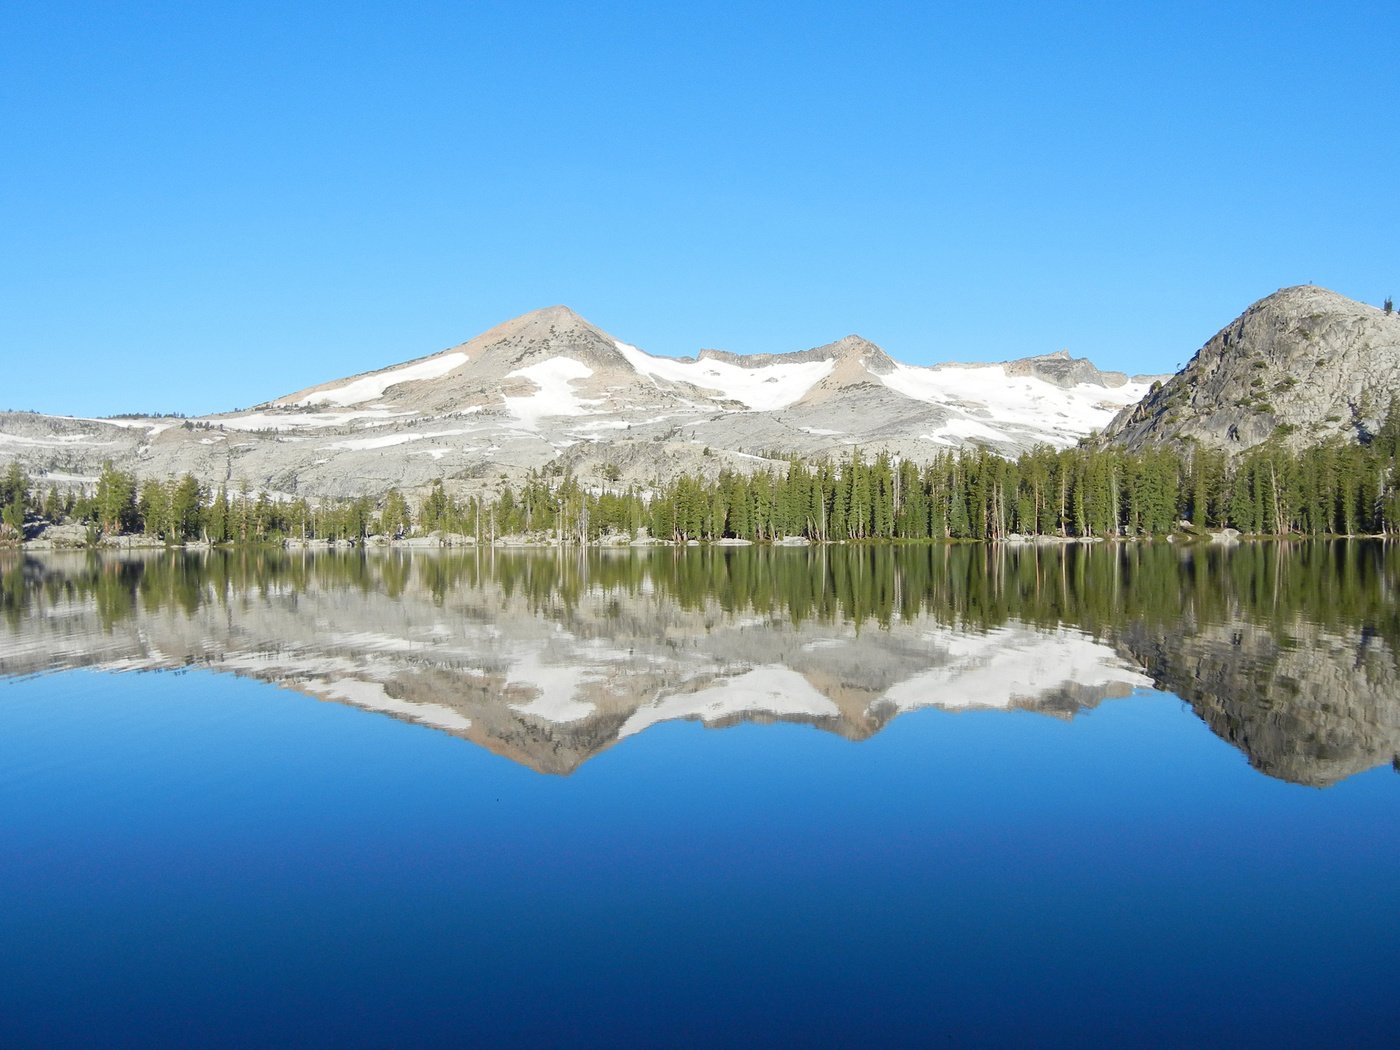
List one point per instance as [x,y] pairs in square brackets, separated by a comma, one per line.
[394,519]
[433,507]
[14,499]
[115,500]
[151,507]
[185,504]
[217,520]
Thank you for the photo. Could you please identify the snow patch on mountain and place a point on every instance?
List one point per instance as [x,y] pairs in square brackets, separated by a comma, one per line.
[369,387]
[555,395]
[1019,401]
[58,441]
[148,425]
[763,387]
[957,432]
[304,420]
[387,440]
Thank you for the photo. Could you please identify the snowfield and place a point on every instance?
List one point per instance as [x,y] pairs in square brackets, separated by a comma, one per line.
[555,396]
[953,432]
[1023,402]
[369,387]
[764,388]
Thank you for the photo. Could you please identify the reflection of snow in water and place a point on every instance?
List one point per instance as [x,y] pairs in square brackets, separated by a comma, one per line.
[488,664]
[1012,665]
[556,685]
[372,697]
[772,690]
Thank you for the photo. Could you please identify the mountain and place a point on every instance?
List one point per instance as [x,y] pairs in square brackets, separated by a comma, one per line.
[1305,364]
[549,389]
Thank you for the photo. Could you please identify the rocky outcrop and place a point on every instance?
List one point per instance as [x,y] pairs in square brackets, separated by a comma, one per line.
[851,348]
[1304,364]
[1065,371]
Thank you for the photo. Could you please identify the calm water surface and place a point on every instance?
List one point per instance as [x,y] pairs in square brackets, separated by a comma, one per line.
[928,796]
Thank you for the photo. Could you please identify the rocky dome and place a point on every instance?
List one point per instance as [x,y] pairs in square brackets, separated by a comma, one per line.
[1305,364]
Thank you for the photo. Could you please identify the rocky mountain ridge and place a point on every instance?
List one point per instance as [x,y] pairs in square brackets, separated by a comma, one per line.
[550,391]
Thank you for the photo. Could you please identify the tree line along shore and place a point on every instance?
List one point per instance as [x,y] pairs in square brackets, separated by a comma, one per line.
[1085,492]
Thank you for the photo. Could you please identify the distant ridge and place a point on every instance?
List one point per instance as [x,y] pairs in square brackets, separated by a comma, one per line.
[548,390]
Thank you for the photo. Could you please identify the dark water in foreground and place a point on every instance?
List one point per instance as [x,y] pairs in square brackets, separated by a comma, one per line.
[921,796]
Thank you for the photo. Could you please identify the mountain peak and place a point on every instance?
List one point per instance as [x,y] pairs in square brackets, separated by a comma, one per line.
[1063,370]
[557,314]
[861,352]
[536,323]
[853,348]
[553,331]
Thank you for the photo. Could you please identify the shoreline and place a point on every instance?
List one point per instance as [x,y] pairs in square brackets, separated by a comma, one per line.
[122,544]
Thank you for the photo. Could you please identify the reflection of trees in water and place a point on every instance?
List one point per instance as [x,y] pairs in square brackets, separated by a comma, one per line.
[1347,586]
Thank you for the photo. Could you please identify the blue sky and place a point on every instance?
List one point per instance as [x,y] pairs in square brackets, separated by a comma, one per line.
[203,209]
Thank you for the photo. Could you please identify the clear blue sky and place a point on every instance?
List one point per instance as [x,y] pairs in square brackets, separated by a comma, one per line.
[202,209]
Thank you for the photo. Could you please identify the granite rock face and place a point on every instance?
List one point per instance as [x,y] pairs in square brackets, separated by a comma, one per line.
[1305,364]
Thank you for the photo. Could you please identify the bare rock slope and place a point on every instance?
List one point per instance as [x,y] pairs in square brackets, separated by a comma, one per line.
[1305,364]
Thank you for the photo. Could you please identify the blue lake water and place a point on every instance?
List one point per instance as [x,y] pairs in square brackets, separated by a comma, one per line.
[189,857]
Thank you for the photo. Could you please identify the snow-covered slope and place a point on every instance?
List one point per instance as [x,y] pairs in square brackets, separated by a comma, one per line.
[1013,404]
[760,387]
[372,386]
[548,387]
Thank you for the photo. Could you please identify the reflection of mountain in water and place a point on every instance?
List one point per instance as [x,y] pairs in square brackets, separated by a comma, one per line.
[549,677]
[548,658]
[1306,705]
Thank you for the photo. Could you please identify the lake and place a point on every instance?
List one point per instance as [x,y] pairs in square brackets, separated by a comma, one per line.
[946,795]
